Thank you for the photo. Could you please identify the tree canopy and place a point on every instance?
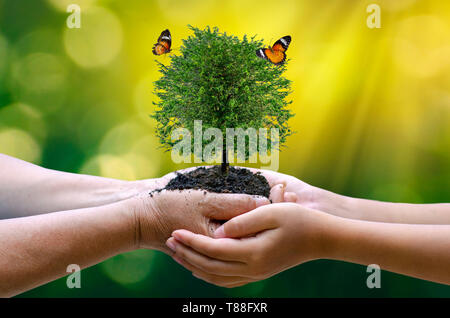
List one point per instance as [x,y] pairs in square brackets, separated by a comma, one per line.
[218,79]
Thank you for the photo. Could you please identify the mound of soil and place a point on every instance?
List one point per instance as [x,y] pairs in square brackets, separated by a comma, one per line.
[211,179]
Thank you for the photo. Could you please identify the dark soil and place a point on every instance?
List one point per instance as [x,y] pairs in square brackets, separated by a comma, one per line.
[211,179]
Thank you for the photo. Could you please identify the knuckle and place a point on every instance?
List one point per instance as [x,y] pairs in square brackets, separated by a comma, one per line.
[205,201]
[248,202]
[210,205]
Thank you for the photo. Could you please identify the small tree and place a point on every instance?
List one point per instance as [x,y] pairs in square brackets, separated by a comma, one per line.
[219,80]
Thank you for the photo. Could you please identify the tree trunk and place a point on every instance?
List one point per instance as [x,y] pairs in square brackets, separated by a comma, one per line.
[225,163]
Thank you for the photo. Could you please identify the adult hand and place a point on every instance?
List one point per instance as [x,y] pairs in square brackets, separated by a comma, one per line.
[159,214]
[271,238]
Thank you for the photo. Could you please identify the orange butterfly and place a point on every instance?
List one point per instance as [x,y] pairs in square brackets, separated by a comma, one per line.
[163,44]
[276,54]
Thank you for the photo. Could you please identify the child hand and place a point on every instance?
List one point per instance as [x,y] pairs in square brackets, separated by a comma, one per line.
[253,246]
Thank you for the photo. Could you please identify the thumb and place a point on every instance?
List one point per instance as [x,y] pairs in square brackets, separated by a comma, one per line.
[249,223]
[226,206]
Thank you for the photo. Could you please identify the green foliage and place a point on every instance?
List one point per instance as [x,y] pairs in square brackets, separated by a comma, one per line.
[218,79]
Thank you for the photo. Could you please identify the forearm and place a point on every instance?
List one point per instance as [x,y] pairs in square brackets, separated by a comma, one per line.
[35,250]
[377,211]
[421,251]
[27,189]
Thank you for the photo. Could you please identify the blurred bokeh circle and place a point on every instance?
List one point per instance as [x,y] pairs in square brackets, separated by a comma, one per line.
[129,268]
[98,41]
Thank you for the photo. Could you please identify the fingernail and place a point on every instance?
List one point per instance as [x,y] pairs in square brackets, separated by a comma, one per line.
[220,232]
[178,236]
[260,201]
[170,244]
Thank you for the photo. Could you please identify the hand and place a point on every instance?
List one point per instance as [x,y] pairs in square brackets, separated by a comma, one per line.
[156,218]
[295,190]
[353,208]
[148,185]
[253,246]
[159,214]
[316,198]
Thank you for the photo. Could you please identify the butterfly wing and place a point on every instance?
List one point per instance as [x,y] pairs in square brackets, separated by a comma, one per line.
[261,53]
[276,57]
[276,54]
[282,44]
[165,38]
[164,43]
[159,49]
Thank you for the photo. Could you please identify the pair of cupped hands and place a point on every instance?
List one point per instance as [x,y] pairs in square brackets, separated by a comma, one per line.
[231,239]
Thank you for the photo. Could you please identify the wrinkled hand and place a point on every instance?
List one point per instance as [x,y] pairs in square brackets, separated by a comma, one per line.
[158,215]
[253,246]
[295,190]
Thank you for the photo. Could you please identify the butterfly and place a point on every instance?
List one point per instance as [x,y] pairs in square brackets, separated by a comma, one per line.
[275,54]
[163,44]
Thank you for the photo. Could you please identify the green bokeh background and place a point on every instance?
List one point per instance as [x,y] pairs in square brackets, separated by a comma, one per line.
[372,115]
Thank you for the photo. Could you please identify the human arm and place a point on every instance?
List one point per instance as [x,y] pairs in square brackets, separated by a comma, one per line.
[273,238]
[37,249]
[361,209]
[27,189]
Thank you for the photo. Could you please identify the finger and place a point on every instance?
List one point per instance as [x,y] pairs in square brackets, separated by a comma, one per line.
[223,249]
[249,223]
[219,280]
[205,263]
[226,206]
[222,281]
[290,197]
[277,193]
